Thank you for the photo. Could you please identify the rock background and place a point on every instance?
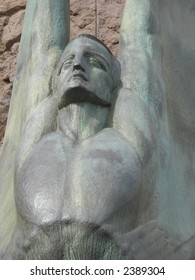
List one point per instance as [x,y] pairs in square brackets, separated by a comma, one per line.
[98,17]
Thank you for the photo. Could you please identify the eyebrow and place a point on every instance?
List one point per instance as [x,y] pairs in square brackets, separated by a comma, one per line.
[89,51]
[98,55]
[68,57]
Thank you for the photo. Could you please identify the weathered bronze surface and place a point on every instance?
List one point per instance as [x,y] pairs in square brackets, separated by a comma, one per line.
[98,160]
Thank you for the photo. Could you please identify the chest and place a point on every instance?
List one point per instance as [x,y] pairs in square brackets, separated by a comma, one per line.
[86,182]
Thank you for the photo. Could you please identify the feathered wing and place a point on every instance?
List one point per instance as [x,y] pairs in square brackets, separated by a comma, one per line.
[157,60]
[45,34]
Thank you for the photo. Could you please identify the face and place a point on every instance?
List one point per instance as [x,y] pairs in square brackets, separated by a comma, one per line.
[85,74]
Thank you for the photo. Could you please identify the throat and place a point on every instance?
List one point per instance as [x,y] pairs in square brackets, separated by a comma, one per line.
[82,120]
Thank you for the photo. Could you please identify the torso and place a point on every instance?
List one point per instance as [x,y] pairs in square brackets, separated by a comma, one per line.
[90,182]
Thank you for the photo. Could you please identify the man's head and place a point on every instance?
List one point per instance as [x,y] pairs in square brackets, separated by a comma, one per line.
[87,72]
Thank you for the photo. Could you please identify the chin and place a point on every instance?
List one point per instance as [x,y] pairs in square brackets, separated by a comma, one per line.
[78,92]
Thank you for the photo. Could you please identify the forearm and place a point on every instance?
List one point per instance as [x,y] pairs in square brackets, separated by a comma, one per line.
[139,24]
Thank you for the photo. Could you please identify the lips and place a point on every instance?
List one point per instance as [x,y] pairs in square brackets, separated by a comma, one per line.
[78,75]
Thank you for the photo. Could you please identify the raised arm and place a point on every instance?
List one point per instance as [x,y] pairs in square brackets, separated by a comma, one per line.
[139,104]
[137,114]
[140,53]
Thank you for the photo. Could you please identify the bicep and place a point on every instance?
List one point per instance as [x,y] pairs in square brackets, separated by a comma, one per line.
[42,121]
[133,120]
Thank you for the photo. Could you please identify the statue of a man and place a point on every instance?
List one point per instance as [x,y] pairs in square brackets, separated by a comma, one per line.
[98,172]
[86,171]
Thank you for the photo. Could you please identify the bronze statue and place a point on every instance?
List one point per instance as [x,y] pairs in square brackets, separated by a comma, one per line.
[95,172]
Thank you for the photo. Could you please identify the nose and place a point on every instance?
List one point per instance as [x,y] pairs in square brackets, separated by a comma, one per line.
[78,64]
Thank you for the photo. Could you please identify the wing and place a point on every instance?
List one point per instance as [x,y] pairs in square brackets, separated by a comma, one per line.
[157,57]
[45,34]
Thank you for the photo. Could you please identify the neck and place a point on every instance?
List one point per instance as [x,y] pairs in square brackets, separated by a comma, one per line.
[82,120]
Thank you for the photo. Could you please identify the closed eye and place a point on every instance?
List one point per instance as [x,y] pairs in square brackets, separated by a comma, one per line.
[95,61]
[67,63]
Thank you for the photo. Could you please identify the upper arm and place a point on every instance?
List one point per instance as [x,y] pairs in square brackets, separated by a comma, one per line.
[133,120]
[42,121]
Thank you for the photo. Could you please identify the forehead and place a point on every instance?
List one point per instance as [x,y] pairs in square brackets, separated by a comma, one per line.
[83,44]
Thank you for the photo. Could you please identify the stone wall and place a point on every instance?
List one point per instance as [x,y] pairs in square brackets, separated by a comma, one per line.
[98,17]
[11,18]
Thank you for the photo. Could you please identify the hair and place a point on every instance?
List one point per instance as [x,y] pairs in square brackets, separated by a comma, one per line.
[115,64]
